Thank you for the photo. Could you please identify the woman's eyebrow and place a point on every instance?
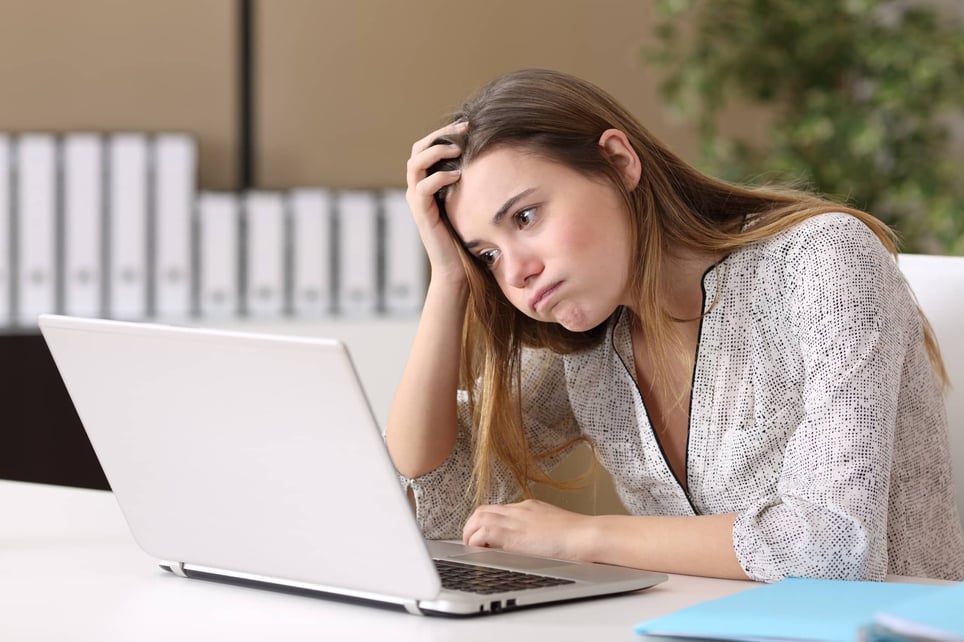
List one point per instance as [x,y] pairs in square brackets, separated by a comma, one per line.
[502,211]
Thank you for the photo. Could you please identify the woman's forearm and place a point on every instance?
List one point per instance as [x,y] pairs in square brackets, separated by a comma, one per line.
[693,545]
[423,421]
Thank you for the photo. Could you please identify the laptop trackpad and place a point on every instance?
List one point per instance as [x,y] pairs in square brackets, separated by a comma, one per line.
[498,558]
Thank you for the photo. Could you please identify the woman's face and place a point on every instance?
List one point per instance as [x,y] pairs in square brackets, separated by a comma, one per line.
[557,242]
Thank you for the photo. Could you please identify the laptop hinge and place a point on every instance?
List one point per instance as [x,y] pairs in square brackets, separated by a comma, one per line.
[412,607]
[177,568]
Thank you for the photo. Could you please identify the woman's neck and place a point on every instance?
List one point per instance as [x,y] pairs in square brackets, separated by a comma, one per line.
[682,283]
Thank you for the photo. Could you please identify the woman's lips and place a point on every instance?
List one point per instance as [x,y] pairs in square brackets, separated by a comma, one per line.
[542,296]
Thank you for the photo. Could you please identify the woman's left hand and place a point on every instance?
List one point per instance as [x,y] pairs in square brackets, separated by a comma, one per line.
[531,526]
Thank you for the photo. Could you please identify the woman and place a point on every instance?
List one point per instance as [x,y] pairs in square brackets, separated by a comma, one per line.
[748,364]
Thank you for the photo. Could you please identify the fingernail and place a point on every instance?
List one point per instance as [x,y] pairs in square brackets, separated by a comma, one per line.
[462,124]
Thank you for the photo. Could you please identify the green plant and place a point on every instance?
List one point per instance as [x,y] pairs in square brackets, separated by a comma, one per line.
[859,96]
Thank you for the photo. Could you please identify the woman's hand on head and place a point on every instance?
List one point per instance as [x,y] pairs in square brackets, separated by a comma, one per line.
[531,526]
[439,244]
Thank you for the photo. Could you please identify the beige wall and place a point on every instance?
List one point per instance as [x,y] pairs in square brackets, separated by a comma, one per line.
[102,65]
[342,87]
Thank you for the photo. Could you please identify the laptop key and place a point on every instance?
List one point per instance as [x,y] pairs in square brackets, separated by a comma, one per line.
[459,576]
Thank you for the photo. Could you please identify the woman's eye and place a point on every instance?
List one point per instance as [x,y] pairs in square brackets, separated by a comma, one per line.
[525,217]
[488,257]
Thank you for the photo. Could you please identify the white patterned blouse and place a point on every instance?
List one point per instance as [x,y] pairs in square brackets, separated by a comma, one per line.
[815,415]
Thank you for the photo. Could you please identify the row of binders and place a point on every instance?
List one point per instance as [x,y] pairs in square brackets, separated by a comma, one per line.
[114,226]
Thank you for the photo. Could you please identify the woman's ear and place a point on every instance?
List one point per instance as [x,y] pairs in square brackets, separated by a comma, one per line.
[620,152]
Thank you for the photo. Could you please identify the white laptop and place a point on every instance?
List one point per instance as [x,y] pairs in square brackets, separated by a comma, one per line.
[256,459]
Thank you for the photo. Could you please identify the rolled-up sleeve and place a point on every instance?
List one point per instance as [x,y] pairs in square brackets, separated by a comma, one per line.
[850,311]
[444,497]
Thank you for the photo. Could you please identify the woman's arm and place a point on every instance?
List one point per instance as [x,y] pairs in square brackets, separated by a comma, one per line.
[422,421]
[700,545]
[848,317]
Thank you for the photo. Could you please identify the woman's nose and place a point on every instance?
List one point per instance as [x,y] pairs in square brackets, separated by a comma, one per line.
[520,266]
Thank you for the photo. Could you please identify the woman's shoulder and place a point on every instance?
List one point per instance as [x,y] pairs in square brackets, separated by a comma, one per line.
[827,238]
[828,228]
[831,252]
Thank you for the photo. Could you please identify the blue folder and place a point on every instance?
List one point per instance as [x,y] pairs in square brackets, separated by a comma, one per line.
[938,615]
[799,609]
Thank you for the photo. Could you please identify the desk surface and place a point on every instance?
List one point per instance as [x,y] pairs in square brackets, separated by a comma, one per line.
[70,570]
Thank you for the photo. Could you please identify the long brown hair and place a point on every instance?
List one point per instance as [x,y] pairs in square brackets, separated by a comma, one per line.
[560,118]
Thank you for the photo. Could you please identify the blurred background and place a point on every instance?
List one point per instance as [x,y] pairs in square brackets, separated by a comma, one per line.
[859,99]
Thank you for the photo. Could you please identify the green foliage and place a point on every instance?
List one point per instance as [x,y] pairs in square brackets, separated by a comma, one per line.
[860,92]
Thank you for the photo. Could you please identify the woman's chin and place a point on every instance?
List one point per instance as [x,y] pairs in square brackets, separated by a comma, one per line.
[573,320]
[581,324]
[577,321]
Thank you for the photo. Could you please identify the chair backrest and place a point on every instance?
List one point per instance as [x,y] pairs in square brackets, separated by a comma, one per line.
[938,283]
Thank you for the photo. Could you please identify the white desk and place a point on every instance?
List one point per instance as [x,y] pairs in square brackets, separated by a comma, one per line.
[70,571]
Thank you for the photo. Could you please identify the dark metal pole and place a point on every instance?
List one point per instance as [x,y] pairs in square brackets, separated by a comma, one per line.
[246,177]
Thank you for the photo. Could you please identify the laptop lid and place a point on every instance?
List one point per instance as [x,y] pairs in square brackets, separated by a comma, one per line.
[256,454]
[257,458]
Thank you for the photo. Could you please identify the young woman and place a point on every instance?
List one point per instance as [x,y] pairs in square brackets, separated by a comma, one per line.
[748,364]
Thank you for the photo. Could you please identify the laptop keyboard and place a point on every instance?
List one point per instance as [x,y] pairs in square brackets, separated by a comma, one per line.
[459,576]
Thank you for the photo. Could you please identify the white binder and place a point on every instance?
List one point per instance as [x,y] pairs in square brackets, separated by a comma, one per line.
[6,216]
[265,245]
[218,228]
[311,251]
[406,265]
[357,253]
[83,203]
[127,222]
[36,206]
[175,189]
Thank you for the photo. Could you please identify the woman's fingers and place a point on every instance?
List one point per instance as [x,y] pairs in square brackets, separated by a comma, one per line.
[483,528]
[427,151]
[429,139]
[428,186]
[530,526]
[422,187]
[419,163]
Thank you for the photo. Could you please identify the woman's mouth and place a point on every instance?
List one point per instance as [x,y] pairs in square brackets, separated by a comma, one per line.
[542,296]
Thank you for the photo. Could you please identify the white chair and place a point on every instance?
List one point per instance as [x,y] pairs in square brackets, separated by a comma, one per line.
[938,283]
